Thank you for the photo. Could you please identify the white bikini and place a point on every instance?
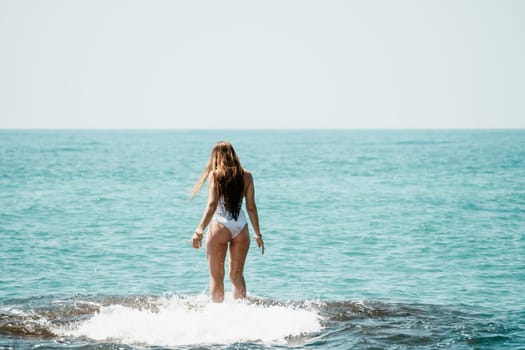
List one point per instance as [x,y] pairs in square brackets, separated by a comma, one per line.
[224,217]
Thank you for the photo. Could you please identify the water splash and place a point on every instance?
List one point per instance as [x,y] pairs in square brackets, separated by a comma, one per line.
[173,321]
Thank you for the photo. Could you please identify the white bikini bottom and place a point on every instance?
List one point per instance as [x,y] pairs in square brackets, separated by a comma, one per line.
[235,226]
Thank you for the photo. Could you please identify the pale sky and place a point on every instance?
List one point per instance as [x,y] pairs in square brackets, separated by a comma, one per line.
[262,64]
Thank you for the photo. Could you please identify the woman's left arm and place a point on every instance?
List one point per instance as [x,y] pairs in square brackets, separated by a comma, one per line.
[211,206]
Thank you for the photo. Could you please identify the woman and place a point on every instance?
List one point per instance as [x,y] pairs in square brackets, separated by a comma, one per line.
[228,184]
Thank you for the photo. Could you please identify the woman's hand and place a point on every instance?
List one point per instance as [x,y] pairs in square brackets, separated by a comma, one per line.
[196,240]
[260,242]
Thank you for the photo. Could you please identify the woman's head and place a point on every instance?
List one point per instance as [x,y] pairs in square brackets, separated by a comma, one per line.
[223,163]
[223,156]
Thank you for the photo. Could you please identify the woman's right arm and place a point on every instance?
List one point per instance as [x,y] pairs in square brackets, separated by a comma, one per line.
[251,208]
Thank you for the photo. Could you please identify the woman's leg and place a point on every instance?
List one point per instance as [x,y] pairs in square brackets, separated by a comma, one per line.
[216,247]
[238,252]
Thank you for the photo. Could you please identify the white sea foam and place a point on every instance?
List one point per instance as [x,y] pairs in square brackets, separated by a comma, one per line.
[195,320]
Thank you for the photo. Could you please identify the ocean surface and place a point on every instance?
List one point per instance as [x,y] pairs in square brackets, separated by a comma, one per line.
[374,240]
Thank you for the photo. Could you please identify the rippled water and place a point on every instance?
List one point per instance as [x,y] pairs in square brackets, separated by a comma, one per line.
[382,239]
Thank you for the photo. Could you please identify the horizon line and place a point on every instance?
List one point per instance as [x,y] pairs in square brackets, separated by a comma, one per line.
[269,129]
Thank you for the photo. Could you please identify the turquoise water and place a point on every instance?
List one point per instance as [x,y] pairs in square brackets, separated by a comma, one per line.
[374,239]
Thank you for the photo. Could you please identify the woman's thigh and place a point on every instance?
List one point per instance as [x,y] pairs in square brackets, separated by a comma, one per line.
[239,250]
[216,247]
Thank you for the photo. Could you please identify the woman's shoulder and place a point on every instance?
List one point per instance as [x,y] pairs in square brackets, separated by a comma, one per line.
[247,175]
[248,180]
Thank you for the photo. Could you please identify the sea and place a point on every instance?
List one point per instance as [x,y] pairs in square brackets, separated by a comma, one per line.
[375,239]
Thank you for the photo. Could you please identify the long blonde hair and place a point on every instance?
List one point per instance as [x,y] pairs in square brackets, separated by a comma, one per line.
[228,174]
